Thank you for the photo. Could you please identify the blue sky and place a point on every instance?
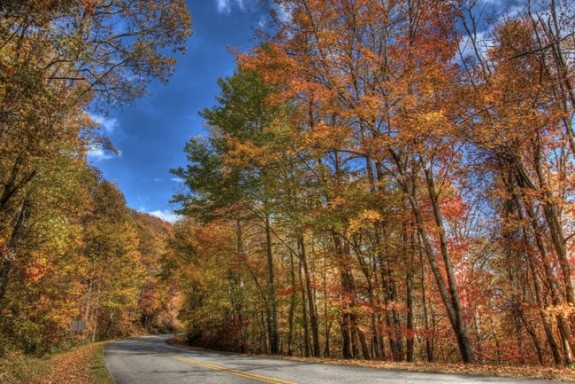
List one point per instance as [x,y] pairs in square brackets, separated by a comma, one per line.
[150,134]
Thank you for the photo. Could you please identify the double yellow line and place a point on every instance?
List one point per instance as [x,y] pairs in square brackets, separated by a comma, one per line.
[253,376]
[231,371]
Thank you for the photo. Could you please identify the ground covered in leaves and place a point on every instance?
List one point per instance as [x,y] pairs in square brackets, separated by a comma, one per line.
[82,365]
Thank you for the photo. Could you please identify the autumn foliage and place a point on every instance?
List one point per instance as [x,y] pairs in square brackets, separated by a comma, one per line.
[70,249]
[382,180]
[388,180]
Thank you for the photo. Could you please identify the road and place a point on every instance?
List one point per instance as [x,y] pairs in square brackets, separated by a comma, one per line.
[149,360]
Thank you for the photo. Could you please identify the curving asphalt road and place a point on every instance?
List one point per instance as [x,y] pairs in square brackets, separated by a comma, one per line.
[149,360]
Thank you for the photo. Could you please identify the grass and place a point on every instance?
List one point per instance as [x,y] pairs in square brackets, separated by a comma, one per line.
[82,365]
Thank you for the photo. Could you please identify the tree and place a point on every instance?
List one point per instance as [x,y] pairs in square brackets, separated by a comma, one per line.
[57,59]
[114,269]
[159,299]
[374,85]
[217,180]
[44,295]
[521,129]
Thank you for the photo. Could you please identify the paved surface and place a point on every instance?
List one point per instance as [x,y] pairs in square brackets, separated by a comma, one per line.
[149,360]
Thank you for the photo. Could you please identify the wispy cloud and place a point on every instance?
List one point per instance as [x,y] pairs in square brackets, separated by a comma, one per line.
[177,179]
[283,12]
[165,215]
[99,154]
[466,44]
[108,124]
[488,14]
[225,6]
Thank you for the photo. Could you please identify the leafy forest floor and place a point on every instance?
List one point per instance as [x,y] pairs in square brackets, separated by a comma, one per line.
[531,372]
[82,365]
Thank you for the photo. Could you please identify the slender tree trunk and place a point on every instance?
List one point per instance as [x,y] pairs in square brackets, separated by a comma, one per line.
[362,342]
[378,339]
[8,258]
[410,318]
[539,242]
[547,327]
[88,309]
[310,298]
[479,333]
[292,306]
[392,316]
[390,296]
[456,311]
[347,292]
[562,325]
[551,213]
[345,324]
[518,327]
[239,306]
[307,349]
[272,307]
[97,310]
[327,321]
[428,341]
[533,334]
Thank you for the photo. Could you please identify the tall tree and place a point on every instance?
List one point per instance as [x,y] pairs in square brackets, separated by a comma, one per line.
[376,84]
[238,124]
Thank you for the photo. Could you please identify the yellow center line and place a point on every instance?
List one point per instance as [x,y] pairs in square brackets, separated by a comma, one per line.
[231,371]
[264,379]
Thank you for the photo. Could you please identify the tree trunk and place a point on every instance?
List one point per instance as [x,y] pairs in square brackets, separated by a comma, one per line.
[547,327]
[272,307]
[562,325]
[428,341]
[305,325]
[348,292]
[457,321]
[8,252]
[551,213]
[410,319]
[239,305]
[310,298]
[292,305]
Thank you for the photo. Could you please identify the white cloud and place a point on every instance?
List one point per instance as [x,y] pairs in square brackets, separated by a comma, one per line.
[165,215]
[283,12]
[108,124]
[466,44]
[177,179]
[225,6]
[99,154]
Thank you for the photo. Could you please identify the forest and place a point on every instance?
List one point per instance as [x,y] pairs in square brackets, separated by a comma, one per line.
[381,180]
[71,251]
[388,180]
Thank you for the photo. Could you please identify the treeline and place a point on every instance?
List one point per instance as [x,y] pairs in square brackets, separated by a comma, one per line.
[388,180]
[70,249]
[85,258]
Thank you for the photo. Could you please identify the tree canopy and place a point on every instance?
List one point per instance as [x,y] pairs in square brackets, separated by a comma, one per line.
[392,181]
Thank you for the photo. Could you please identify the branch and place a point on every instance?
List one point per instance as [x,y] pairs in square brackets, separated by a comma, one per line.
[534,51]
